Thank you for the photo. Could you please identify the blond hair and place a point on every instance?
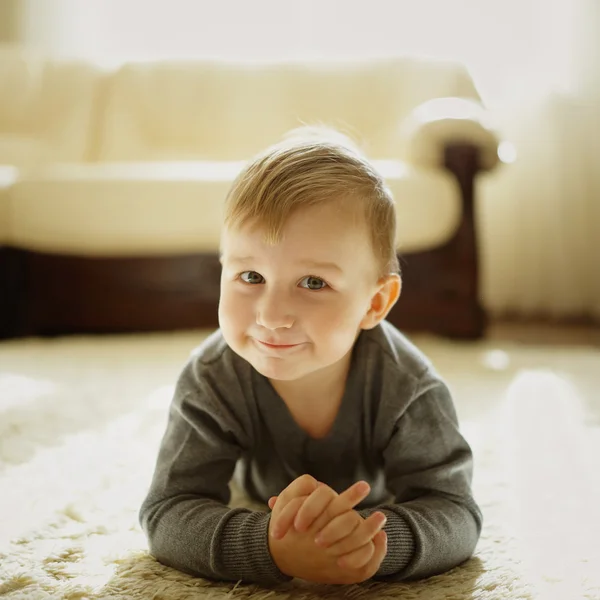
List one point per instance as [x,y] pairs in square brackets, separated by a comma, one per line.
[309,166]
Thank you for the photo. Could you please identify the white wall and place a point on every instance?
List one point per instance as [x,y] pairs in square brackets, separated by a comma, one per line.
[510,35]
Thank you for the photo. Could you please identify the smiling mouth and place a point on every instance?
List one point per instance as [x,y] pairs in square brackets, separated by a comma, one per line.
[277,346]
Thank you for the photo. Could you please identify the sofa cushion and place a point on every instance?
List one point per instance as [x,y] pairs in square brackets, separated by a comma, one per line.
[21,150]
[48,108]
[175,208]
[224,110]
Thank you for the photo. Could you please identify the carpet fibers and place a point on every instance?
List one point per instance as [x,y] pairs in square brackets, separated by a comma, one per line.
[81,419]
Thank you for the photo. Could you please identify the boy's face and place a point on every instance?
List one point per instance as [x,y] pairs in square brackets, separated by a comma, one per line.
[282,308]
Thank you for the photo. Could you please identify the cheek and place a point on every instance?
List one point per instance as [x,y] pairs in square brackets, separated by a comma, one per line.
[234,309]
[340,316]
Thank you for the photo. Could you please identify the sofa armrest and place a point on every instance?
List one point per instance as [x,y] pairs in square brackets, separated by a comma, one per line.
[8,176]
[440,122]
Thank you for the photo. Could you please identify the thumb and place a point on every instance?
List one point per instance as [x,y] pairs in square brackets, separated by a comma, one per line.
[272,501]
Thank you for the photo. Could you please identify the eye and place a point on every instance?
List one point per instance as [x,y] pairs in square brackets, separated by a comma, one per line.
[251,277]
[313,283]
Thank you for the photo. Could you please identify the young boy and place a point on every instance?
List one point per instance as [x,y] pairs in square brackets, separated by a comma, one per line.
[321,407]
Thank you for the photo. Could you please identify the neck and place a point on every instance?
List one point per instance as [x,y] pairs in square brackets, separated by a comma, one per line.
[329,382]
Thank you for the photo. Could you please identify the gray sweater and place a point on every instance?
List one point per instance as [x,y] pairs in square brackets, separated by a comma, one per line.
[396,428]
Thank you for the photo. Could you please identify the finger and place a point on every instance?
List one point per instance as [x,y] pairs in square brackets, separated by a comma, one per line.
[301,486]
[314,506]
[282,522]
[380,543]
[273,499]
[346,501]
[338,529]
[358,558]
[380,550]
[366,530]
[361,574]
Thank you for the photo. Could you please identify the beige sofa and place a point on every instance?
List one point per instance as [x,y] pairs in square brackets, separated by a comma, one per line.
[112,222]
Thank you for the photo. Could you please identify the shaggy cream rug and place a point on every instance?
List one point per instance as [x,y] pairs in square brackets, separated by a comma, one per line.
[81,419]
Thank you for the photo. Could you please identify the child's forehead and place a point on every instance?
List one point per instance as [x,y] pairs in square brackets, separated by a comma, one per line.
[324,232]
[306,235]
[332,256]
[239,243]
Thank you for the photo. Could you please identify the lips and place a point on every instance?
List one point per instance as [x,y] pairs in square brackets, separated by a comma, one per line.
[273,345]
[277,344]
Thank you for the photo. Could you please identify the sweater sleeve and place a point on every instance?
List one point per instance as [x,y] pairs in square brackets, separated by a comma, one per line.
[185,515]
[434,523]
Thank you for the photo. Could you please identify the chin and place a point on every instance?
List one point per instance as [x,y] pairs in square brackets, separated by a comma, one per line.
[278,372]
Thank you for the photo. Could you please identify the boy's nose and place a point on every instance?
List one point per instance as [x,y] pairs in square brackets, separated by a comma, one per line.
[274,313]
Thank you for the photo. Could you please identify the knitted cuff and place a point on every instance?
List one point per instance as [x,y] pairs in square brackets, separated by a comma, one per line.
[400,542]
[245,549]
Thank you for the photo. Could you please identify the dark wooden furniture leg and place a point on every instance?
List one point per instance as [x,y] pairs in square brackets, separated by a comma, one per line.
[441,286]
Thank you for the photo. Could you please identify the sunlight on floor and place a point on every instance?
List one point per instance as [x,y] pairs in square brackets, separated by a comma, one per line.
[555,505]
[58,478]
[496,360]
[19,390]
[160,398]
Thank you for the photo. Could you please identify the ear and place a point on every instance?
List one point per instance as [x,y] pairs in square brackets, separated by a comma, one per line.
[382,301]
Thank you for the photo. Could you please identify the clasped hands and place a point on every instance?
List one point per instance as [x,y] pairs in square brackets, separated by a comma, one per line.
[315,534]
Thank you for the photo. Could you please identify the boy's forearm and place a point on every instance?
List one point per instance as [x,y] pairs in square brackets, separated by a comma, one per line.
[207,539]
[427,536]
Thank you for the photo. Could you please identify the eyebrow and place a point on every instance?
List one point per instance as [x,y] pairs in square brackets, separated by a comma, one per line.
[331,266]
